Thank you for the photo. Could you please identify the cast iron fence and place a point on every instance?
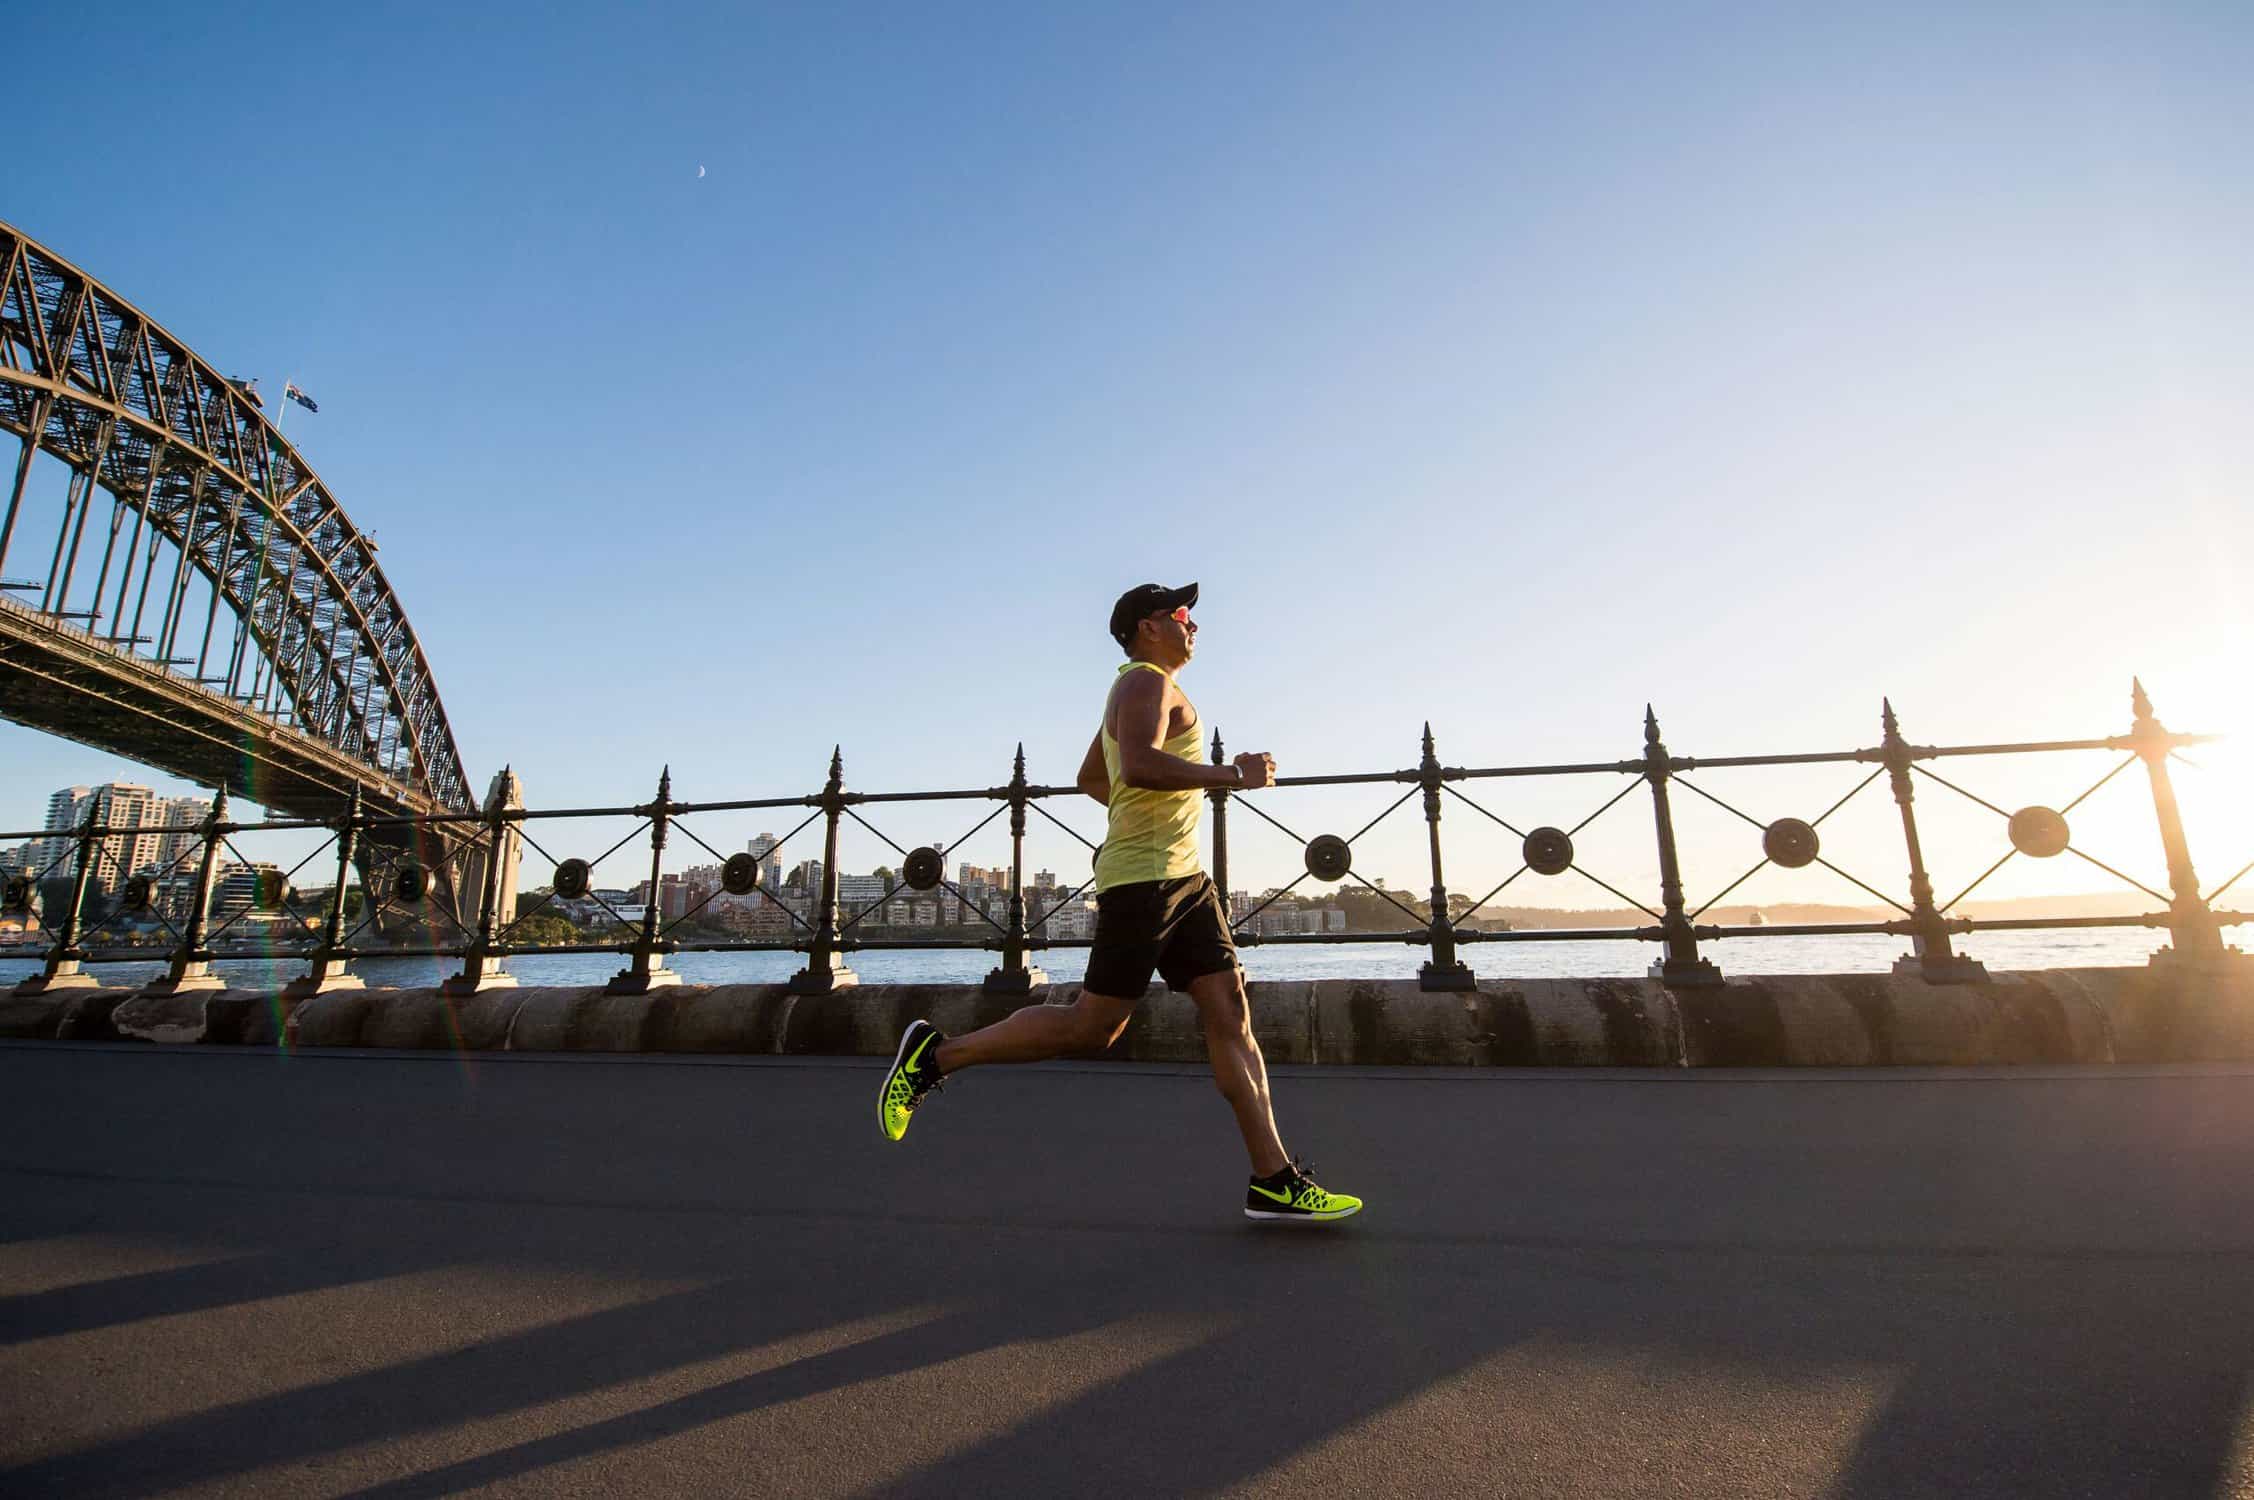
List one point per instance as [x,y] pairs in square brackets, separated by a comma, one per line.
[398,885]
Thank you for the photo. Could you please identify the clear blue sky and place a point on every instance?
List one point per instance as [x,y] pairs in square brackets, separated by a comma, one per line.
[1503,366]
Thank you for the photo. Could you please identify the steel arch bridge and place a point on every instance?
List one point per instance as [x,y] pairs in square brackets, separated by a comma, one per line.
[229,622]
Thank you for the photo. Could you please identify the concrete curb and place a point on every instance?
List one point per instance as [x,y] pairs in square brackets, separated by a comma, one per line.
[2155,1014]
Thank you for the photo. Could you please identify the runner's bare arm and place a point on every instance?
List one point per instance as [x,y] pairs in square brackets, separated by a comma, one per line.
[1142,704]
[1094,779]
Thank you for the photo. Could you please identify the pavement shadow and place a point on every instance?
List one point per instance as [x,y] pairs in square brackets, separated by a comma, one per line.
[1998,1362]
[202,1287]
[314,1243]
[991,1298]
[1994,1386]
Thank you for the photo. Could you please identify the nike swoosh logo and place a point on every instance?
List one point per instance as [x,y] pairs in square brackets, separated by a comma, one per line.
[1283,1198]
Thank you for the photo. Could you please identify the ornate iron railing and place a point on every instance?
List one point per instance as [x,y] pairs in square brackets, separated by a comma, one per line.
[396,885]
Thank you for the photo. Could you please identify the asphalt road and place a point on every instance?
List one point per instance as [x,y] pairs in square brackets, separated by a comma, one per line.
[239,1274]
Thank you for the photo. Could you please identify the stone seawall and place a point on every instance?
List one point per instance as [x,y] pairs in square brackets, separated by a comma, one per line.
[2157,1014]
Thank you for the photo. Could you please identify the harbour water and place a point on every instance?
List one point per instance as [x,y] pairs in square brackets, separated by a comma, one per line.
[1852,953]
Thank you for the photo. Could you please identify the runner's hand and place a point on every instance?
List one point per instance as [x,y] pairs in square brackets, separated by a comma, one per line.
[1255,771]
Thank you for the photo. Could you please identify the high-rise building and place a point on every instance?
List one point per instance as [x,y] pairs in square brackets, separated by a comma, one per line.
[123,805]
[118,804]
[177,851]
[762,849]
[50,857]
[143,846]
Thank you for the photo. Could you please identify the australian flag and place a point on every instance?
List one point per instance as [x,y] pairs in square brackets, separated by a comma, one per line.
[290,390]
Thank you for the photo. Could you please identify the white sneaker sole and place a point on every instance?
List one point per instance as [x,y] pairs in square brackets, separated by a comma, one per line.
[1290,1218]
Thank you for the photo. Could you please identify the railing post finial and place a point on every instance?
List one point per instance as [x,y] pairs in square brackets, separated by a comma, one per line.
[328,967]
[1932,958]
[1679,963]
[2194,935]
[1444,970]
[189,969]
[1016,976]
[645,967]
[65,968]
[823,973]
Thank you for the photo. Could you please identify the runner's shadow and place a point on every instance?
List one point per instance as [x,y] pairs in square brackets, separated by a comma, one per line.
[2005,1375]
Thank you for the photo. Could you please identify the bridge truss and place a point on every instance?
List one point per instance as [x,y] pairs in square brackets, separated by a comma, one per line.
[224,600]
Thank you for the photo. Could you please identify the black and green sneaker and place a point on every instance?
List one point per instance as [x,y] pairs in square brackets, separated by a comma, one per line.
[911,1078]
[1292,1196]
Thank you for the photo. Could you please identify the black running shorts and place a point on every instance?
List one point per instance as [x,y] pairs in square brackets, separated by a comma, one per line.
[1174,926]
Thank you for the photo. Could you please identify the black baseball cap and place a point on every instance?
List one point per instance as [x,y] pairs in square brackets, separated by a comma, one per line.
[1143,600]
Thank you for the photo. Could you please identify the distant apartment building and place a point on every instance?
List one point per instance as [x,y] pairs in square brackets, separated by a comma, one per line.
[119,805]
[1074,921]
[675,895]
[175,895]
[1294,921]
[857,891]
[50,857]
[753,916]
[178,850]
[123,805]
[67,806]
[244,888]
[763,850]
[145,847]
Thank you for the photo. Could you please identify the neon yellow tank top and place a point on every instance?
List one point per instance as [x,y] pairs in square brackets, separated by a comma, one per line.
[1152,835]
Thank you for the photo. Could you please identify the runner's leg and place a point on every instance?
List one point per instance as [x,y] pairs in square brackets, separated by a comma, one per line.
[1037,1032]
[1239,1071]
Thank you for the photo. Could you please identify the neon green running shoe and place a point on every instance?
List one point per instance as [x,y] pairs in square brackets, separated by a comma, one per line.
[911,1078]
[1294,1197]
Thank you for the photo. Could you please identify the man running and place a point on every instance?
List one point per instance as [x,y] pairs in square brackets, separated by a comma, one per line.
[1155,908]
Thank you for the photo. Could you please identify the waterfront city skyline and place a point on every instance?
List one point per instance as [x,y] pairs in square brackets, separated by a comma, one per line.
[1503,371]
